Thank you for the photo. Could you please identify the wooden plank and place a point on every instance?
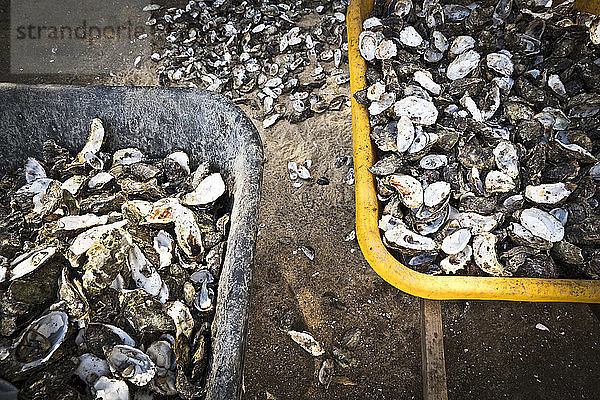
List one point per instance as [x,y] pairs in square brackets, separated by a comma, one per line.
[432,350]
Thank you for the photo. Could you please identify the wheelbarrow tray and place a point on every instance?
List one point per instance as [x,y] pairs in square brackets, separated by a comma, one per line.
[160,120]
[367,215]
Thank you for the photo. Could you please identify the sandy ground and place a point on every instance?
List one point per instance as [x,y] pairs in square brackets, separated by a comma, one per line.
[493,349]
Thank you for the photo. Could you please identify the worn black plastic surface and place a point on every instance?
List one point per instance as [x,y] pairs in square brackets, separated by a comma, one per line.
[158,121]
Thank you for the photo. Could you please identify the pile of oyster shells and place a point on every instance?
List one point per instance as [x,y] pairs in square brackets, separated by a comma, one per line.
[486,121]
[257,51]
[108,275]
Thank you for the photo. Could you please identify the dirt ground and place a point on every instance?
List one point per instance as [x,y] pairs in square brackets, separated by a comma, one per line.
[493,349]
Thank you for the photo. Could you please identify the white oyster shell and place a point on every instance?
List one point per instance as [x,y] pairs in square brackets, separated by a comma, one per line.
[406,134]
[386,101]
[542,224]
[368,41]
[131,364]
[29,262]
[492,102]
[182,159]
[91,368]
[99,180]
[75,222]
[111,389]
[433,161]
[207,191]
[187,231]
[478,223]
[410,37]
[500,63]
[410,190]
[484,254]
[498,182]
[407,239]
[386,50]
[50,329]
[467,102]
[419,110]
[86,239]
[94,142]
[462,65]
[458,261]
[163,244]
[456,241]
[402,7]
[436,193]
[182,318]
[33,170]
[375,91]
[143,273]
[524,234]
[161,353]
[425,79]
[461,44]
[439,41]
[388,222]
[556,84]
[507,158]
[547,193]
[370,23]
[422,140]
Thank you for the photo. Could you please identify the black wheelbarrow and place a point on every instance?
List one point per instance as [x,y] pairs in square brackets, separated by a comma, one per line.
[160,120]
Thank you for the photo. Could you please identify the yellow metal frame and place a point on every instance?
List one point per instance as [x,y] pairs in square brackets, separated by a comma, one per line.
[367,214]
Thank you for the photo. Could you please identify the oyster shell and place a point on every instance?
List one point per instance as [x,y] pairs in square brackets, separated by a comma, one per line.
[92,368]
[501,63]
[307,342]
[456,241]
[484,255]
[462,65]
[542,224]
[419,111]
[460,44]
[458,261]
[410,241]
[131,364]
[41,340]
[163,244]
[34,170]
[207,191]
[93,144]
[113,389]
[405,135]
[29,262]
[105,259]
[410,37]
[76,222]
[410,190]
[547,193]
